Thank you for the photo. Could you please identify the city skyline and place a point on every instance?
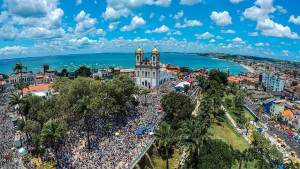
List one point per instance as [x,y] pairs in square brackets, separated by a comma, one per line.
[266,28]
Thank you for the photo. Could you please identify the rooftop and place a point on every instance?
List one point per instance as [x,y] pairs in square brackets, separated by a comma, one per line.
[36,88]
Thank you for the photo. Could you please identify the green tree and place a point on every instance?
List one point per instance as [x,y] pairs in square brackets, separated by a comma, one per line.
[178,107]
[220,77]
[294,83]
[64,72]
[192,134]
[186,88]
[52,133]
[19,69]
[262,163]
[165,138]
[87,108]
[216,154]
[97,77]
[83,71]
[243,156]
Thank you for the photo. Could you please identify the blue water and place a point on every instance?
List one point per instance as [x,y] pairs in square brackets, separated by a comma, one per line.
[125,60]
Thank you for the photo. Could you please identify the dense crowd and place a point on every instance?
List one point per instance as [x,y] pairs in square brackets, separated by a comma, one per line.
[112,146]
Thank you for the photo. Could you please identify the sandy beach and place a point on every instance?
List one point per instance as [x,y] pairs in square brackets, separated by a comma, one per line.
[250,69]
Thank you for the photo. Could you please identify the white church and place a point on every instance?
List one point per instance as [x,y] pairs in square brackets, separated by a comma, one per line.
[150,73]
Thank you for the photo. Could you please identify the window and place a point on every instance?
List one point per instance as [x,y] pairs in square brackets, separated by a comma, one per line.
[153,59]
[153,75]
[137,58]
[143,75]
[149,74]
[138,73]
[142,83]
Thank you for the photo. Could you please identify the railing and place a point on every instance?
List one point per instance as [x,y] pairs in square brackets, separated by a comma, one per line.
[138,158]
[251,112]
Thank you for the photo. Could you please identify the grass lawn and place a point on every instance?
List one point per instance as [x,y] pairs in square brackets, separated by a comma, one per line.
[227,133]
[160,163]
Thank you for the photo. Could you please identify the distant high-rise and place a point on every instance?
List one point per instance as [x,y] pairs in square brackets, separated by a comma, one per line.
[272,82]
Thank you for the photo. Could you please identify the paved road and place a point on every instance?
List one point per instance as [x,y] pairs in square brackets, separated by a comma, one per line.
[274,132]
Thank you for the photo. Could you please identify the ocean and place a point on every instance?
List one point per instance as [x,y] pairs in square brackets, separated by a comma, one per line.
[125,60]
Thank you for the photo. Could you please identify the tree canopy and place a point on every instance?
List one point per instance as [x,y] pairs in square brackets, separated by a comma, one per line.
[83,71]
[178,107]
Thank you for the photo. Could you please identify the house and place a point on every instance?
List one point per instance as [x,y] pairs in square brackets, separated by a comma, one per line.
[267,105]
[273,82]
[277,107]
[43,90]
[128,72]
[28,78]
[288,116]
[258,96]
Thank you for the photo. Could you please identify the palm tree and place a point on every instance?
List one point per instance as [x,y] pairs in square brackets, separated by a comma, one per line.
[262,163]
[87,108]
[192,134]
[165,137]
[244,156]
[20,103]
[52,133]
[19,69]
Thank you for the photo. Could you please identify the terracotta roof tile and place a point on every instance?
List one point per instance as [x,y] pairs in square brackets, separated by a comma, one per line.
[36,88]
[288,112]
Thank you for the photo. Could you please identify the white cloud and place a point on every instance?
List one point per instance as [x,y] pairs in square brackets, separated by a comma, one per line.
[270,28]
[238,40]
[177,33]
[212,41]
[221,18]
[8,32]
[162,29]
[281,9]
[78,2]
[188,23]
[123,8]
[205,35]
[41,33]
[230,31]
[253,34]
[162,17]
[112,26]
[260,13]
[151,15]
[136,22]
[30,8]
[219,37]
[100,32]
[3,16]
[295,20]
[85,25]
[285,52]
[13,50]
[169,33]
[236,1]
[189,2]
[262,44]
[112,14]
[178,15]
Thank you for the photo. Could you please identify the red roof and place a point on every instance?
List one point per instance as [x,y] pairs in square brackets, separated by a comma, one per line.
[36,88]
[288,112]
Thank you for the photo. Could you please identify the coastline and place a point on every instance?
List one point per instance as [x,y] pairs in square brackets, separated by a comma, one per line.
[250,69]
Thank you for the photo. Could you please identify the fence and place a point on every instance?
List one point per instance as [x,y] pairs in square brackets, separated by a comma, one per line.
[138,158]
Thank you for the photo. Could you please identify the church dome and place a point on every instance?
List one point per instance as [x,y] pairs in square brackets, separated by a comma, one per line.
[155,50]
[139,50]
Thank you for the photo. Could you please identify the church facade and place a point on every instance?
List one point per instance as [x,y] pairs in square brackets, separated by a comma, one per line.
[150,73]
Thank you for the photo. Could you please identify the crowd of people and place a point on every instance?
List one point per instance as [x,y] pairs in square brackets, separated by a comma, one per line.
[115,142]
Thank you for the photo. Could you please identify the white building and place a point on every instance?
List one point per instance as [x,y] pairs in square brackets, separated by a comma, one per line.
[27,77]
[273,82]
[150,73]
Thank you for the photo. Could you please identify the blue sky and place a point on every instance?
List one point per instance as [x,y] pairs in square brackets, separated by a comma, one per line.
[267,28]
